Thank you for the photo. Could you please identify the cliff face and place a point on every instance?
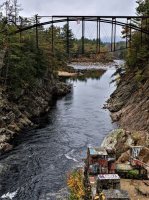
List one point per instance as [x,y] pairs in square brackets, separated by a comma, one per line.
[129,104]
[15,115]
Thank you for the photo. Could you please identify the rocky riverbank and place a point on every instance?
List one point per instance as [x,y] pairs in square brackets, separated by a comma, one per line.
[129,107]
[122,140]
[129,104]
[21,112]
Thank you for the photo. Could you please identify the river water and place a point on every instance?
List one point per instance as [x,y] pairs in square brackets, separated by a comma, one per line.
[36,169]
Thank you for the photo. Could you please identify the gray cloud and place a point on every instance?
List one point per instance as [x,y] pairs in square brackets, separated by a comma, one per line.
[78,7]
[81,7]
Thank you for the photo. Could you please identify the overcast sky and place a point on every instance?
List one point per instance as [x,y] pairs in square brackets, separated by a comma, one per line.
[78,7]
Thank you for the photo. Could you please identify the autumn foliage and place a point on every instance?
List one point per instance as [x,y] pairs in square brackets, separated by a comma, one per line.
[75,185]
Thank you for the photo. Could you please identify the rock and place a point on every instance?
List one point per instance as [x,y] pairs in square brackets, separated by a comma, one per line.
[14,127]
[17,112]
[62,89]
[10,117]
[124,157]
[115,106]
[5,135]
[24,122]
[116,116]
[3,138]
[129,141]
[129,103]
[143,189]
[122,140]
[4,131]
[2,122]
[144,155]
[111,140]
[5,147]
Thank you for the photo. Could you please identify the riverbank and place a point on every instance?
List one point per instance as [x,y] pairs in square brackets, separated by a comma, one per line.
[66,74]
[23,112]
[105,57]
[124,143]
[129,104]
[129,107]
[83,70]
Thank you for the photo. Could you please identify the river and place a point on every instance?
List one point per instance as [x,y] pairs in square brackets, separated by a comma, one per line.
[36,169]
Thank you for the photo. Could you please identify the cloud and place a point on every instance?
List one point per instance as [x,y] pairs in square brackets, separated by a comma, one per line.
[81,7]
[78,7]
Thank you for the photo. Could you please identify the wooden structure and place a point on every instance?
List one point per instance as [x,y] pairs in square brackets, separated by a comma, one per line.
[100,161]
[135,151]
[111,160]
[114,195]
[107,182]
[97,161]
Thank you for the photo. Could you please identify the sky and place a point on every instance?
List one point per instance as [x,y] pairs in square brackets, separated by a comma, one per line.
[77,7]
[80,7]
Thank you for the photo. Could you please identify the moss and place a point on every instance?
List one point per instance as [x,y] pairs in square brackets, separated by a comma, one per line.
[136,137]
[133,173]
[119,133]
[139,77]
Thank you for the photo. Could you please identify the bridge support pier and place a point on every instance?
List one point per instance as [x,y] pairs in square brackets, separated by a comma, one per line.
[130,40]
[141,31]
[99,34]
[37,38]
[52,36]
[112,31]
[97,38]
[67,38]
[114,34]
[127,33]
[83,32]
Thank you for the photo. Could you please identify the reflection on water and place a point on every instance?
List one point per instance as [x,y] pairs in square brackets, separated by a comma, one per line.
[37,167]
[84,75]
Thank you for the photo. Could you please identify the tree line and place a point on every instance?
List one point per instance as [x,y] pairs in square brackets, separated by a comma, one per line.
[138,55]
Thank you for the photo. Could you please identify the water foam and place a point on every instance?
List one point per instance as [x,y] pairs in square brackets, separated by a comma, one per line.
[9,195]
[69,156]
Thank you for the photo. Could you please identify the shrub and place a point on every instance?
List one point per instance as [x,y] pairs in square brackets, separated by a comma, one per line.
[76,186]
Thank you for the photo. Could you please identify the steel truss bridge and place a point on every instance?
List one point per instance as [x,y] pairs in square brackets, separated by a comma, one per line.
[127,22]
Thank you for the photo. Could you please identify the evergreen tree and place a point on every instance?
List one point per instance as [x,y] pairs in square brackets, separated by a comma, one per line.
[66,33]
[138,55]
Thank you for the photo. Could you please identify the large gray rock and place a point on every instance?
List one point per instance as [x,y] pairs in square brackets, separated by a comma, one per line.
[121,140]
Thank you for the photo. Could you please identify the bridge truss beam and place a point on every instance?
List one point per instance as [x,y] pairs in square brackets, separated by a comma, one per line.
[113,20]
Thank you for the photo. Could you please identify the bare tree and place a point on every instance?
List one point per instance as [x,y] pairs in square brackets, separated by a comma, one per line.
[10,10]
